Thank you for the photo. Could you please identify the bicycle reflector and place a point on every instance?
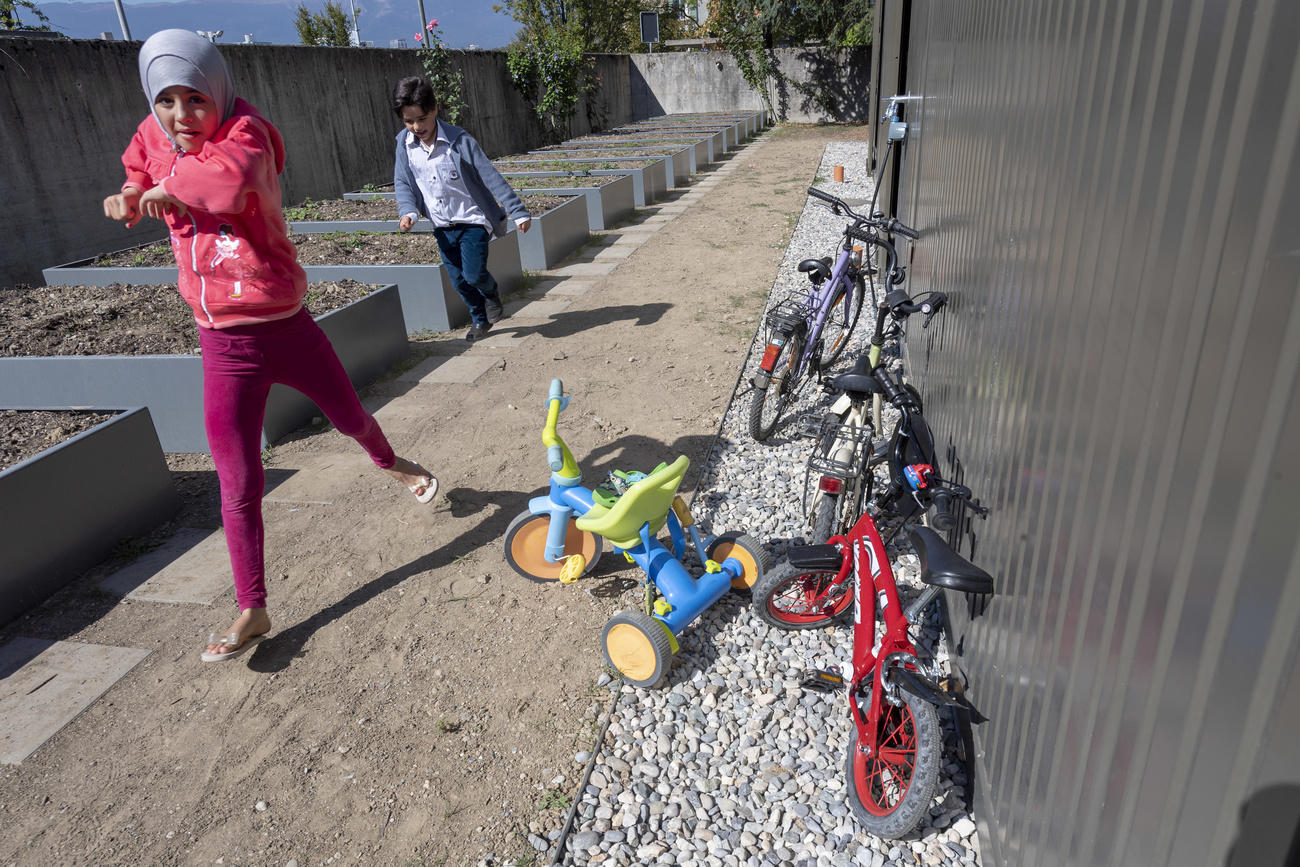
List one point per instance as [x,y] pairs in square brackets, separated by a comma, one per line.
[769,356]
[831,485]
[918,475]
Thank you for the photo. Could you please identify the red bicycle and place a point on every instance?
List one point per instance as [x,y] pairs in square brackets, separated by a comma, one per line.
[893,761]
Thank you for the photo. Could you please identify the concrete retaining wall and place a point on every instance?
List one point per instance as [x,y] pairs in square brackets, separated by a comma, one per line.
[694,81]
[71,106]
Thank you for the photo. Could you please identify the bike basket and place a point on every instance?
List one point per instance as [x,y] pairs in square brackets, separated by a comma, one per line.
[833,438]
[785,316]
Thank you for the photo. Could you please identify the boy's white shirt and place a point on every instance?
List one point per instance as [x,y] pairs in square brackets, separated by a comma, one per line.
[444,191]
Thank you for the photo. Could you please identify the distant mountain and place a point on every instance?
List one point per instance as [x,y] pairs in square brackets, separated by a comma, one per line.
[466,23]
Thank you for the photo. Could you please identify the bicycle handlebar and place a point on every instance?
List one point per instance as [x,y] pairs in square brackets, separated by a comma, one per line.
[889,226]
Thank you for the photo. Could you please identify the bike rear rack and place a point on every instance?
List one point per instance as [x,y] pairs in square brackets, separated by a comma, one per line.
[785,316]
[828,432]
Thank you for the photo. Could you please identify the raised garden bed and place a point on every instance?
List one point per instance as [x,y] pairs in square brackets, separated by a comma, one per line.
[559,227]
[608,204]
[733,132]
[159,366]
[697,149]
[647,177]
[411,261]
[69,505]
[714,141]
[379,212]
[676,161]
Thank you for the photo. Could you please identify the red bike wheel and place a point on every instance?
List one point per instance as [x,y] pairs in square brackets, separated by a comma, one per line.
[792,598]
[890,792]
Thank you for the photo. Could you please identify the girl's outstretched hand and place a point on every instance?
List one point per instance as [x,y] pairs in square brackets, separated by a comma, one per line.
[156,203]
[124,207]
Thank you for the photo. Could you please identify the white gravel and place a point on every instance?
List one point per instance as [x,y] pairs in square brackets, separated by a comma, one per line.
[733,763]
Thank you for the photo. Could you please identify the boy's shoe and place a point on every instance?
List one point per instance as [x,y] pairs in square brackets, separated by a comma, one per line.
[492,304]
[478,332]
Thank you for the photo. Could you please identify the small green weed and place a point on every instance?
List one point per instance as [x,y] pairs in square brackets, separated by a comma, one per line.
[448,726]
[553,799]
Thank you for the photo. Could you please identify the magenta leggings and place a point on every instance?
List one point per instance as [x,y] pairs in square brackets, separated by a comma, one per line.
[239,366]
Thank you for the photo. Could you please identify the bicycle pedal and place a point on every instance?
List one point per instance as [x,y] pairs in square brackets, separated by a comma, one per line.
[823,680]
[573,568]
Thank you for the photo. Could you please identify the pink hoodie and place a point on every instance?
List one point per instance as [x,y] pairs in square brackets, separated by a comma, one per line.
[236,262]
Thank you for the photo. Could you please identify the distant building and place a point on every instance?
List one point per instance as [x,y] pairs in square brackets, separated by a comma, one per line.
[397,43]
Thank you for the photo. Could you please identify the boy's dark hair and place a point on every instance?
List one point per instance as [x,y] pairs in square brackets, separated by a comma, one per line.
[413,91]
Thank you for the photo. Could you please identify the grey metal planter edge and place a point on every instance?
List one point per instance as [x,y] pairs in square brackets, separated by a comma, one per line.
[69,506]
[368,335]
[607,205]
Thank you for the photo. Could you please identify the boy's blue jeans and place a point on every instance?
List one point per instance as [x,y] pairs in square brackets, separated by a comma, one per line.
[464,251]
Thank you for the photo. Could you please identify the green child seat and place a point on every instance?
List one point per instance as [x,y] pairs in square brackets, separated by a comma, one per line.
[646,501]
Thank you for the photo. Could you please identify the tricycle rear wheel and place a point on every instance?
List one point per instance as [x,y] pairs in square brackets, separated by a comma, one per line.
[745,549]
[525,545]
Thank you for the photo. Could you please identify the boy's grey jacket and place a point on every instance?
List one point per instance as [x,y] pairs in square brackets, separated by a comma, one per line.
[485,184]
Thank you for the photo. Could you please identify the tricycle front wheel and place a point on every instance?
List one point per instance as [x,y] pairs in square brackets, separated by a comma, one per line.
[638,646]
[526,547]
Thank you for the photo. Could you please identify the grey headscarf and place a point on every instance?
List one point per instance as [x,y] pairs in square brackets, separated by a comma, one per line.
[172,57]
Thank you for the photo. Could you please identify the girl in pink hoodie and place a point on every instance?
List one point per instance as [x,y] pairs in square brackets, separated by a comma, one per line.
[207,164]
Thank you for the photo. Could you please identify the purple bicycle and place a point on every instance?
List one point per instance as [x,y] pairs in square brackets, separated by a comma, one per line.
[805,335]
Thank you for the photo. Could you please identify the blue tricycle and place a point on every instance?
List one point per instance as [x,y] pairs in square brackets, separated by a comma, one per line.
[559,538]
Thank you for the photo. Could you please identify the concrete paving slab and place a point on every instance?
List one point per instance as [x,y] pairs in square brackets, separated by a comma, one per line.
[192,567]
[661,218]
[582,269]
[498,340]
[643,229]
[44,685]
[317,480]
[543,309]
[463,369]
[618,251]
[573,287]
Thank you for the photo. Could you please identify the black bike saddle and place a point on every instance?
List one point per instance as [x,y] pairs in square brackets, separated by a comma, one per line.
[856,383]
[944,567]
[819,268]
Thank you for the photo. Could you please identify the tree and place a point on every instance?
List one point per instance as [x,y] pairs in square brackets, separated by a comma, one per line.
[327,27]
[11,16]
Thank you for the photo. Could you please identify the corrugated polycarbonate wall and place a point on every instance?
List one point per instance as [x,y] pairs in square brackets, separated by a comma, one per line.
[1110,194]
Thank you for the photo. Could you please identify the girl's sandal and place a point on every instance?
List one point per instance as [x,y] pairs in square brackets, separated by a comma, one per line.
[425,490]
[236,644]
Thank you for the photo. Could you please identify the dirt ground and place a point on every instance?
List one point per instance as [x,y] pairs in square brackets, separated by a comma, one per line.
[417,702]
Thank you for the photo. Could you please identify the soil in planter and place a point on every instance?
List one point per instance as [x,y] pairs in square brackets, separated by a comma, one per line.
[386,209]
[577,167]
[327,248]
[566,182]
[25,433]
[121,319]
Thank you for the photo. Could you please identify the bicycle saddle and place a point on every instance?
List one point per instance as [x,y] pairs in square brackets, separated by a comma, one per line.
[647,501]
[944,567]
[818,269]
[856,383]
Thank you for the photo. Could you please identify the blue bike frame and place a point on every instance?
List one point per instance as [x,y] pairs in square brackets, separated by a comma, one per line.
[687,597]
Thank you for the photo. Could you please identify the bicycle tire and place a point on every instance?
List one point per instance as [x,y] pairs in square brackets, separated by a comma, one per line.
[890,794]
[773,397]
[826,522]
[839,325]
[791,598]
